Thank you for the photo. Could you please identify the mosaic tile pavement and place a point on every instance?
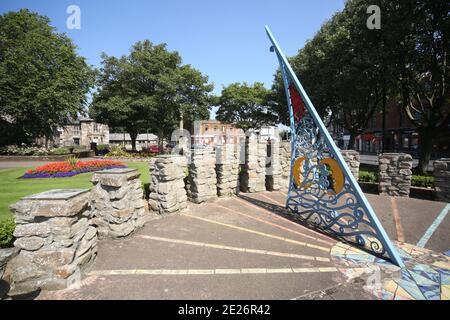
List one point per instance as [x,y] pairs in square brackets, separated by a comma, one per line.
[426,276]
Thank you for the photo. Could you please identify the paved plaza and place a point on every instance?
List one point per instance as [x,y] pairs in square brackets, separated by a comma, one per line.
[247,247]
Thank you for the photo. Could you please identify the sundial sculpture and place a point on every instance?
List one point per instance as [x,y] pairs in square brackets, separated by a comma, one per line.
[322,190]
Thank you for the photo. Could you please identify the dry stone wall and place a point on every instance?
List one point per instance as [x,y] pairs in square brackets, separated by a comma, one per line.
[395,174]
[167,189]
[253,176]
[227,169]
[442,179]
[56,237]
[274,169]
[285,163]
[351,157]
[117,202]
[202,177]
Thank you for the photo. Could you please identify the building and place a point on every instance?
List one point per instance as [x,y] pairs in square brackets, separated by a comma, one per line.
[143,140]
[214,132]
[400,136]
[82,132]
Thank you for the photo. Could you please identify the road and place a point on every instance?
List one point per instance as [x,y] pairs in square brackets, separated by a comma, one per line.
[373,160]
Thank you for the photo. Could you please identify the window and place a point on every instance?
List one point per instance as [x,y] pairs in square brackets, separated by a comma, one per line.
[76,130]
[96,128]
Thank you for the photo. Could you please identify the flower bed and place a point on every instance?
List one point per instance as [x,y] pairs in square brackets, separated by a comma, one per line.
[68,169]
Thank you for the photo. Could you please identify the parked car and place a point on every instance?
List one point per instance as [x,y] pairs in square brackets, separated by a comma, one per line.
[153,149]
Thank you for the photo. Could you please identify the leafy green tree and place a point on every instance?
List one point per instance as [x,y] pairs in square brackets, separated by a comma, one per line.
[246,106]
[340,71]
[149,89]
[417,39]
[43,81]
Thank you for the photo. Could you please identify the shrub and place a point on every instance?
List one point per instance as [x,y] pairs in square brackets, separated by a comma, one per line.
[60,151]
[7,227]
[367,176]
[102,147]
[24,151]
[118,152]
[422,181]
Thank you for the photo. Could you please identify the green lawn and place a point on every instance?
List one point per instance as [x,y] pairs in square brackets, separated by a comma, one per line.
[12,188]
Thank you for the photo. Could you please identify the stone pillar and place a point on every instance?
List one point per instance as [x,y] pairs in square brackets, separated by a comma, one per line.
[253,177]
[202,176]
[57,240]
[167,191]
[395,174]
[351,157]
[274,179]
[285,162]
[227,169]
[442,176]
[117,202]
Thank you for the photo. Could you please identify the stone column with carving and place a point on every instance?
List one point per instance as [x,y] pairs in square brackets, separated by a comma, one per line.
[274,179]
[442,179]
[202,176]
[285,161]
[253,176]
[117,202]
[351,157]
[56,237]
[395,174]
[227,169]
[167,190]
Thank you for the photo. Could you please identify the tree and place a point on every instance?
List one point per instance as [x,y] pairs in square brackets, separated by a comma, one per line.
[418,33]
[149,88]
[43,82]
[340,70]
[246,106]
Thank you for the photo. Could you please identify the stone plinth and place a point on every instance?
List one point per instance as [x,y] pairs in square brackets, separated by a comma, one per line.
[167,191]
[274,171]
[57,240]
[285,162]
[442,179]
[395,174]
[351,157]
[227,169]
[202,177]
[117,202]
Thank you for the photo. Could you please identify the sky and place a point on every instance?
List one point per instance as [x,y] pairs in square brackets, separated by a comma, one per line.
[224,39]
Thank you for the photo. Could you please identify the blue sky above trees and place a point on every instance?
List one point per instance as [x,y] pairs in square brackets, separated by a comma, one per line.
[224,39]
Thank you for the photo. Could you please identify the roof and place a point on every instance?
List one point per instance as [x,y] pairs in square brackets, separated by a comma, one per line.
[140,137]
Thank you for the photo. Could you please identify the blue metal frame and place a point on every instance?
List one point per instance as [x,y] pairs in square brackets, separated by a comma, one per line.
[346,214]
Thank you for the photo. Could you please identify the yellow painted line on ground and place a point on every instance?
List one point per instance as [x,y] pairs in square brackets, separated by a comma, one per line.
[288,221]
[300,243]
[247,250]
[397,220]
[272,224]
[188,272]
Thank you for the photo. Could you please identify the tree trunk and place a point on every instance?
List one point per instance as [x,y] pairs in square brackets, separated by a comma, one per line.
[426,145]
[133,136]
[351,142]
